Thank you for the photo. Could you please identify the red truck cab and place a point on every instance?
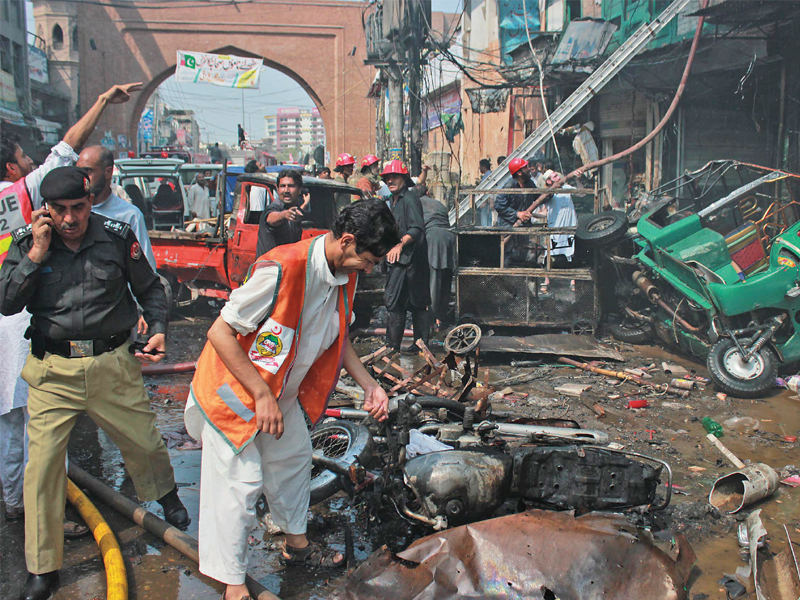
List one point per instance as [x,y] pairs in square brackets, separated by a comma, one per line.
[213,262]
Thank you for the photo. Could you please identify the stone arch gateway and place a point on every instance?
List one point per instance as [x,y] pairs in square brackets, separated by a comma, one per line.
[321,45]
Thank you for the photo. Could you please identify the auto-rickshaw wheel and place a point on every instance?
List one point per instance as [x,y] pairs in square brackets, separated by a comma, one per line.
[731,374]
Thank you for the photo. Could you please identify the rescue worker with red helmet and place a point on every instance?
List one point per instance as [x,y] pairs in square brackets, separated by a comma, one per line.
[511,208]
[408,282]
[345,163]
[514,207]
[370,181]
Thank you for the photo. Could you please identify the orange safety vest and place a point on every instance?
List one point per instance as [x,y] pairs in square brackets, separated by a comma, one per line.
[15,212]
[272,348]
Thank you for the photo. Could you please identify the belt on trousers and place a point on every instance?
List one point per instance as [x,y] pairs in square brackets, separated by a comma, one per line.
[74,348]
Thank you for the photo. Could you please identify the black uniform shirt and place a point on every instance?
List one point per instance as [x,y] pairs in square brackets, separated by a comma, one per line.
[270,236]
[508,205]
[83,295]
[407,211]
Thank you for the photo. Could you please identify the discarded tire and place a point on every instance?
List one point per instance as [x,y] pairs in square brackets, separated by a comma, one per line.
[632,334]
[602,229]
[339,439]
[733,376]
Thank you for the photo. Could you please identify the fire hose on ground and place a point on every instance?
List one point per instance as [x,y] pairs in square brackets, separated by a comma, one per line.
[116,577]
[185,544]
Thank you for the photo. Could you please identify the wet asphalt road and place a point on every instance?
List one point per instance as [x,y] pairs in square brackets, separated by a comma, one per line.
[158,572]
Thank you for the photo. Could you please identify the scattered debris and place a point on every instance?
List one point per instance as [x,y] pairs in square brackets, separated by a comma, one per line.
[584,346]
[741,488]
[725,452]
[572,389]
[181,440]
[793,481]
[684,384]
[673,369]
[621,375]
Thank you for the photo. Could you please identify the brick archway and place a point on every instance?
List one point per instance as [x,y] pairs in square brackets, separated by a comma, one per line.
[320,45]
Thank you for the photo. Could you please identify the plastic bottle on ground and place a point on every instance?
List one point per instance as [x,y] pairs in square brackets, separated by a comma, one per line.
[712,427]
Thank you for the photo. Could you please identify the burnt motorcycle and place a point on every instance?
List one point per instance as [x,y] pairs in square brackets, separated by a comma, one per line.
[548,464]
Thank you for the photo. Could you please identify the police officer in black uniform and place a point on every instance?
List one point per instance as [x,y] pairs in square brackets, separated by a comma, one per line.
[72,270]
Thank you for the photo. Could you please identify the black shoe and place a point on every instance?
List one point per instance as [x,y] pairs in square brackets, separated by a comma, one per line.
[175,512]
[15,514]
[411,350]
[39,587]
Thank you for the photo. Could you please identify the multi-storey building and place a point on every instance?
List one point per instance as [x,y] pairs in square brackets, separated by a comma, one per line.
[298,128]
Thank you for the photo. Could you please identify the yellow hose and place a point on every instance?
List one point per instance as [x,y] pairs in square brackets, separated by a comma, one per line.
[116,578]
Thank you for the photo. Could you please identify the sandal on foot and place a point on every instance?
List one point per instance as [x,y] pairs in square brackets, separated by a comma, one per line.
[243,597]
[311,555]
[74,530]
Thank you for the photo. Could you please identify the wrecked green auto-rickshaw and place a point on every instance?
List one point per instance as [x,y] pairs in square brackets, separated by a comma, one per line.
[715,271]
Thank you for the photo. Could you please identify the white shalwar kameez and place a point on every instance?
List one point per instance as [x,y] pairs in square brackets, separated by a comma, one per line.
[13,390]
[231,484]
[560,212]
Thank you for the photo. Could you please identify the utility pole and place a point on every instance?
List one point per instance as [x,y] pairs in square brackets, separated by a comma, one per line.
[155,139]
[416,28]
[396,108]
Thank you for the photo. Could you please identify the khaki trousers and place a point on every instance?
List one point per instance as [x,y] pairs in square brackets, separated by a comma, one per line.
[110,389]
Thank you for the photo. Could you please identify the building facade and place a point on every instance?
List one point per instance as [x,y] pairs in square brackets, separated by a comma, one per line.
[298,129]
[271,132]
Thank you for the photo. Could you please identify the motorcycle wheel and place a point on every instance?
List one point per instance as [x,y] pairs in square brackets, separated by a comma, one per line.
[602,229]
[741,379]
[632,334]
[346,441]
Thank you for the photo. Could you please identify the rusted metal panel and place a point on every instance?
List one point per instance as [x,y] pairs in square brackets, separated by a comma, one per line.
[551,343]
[536,554]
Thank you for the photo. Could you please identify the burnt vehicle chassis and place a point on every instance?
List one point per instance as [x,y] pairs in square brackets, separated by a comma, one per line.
[500,273]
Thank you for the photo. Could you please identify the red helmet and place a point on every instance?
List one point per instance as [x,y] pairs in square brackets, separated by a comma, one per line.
[395,166]
[516,164]
[345,159]
[369,160]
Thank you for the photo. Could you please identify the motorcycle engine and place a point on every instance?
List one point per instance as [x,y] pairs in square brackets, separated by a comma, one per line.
[461,485]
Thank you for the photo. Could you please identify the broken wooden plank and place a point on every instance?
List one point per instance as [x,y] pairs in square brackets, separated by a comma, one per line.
[389,364]
[409,379]
[379,353]
[429,357]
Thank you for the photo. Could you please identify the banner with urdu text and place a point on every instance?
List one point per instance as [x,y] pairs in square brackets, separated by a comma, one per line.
[218,69]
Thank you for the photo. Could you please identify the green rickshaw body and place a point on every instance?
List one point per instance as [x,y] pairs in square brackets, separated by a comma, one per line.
[673,253]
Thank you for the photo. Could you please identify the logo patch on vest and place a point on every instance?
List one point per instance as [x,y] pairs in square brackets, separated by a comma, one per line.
[271,346]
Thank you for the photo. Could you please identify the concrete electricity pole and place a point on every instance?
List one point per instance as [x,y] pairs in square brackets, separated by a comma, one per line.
[404,29]
[396,107]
